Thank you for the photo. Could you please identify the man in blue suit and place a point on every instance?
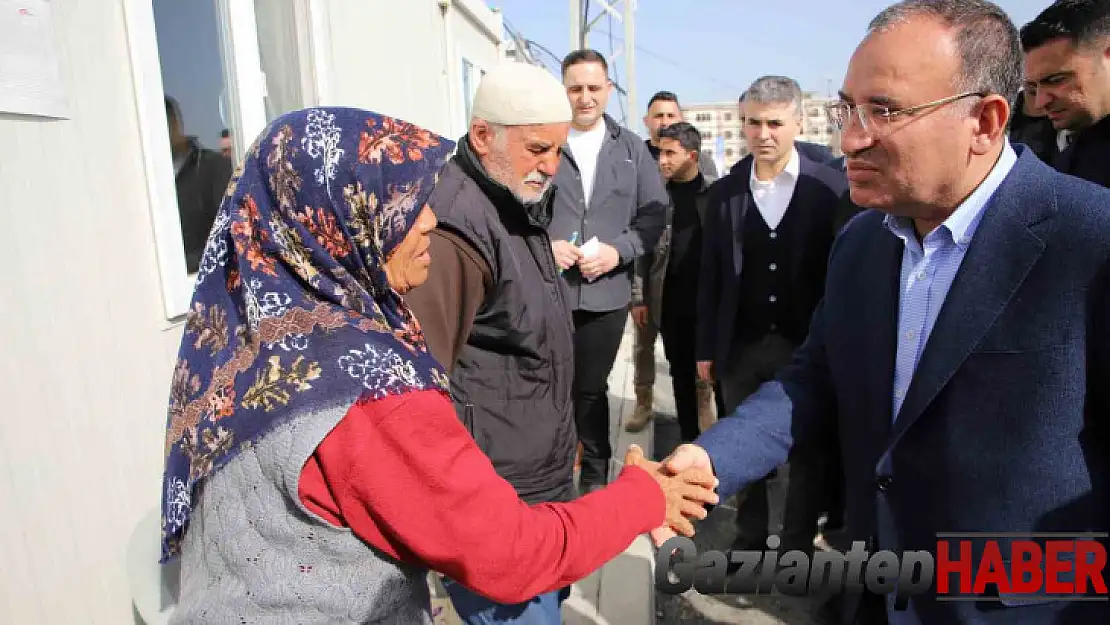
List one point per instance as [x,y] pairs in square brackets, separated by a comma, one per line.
[961,356]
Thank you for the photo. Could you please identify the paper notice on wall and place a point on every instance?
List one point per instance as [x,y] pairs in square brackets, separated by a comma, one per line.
[30,74]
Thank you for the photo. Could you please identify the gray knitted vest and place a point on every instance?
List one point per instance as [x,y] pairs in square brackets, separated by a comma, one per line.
[254,554]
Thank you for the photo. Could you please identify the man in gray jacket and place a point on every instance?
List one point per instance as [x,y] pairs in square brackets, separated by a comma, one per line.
[609,209]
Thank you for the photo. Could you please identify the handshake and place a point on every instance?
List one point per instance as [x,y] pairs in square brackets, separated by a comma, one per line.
[686,478]
[594,259]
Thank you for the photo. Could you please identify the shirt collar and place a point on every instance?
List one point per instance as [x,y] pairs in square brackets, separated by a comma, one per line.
[1064,138]
[962,223]
[597,131]
[790,174]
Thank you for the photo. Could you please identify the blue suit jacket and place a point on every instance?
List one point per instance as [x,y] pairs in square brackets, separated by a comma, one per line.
[1006,424]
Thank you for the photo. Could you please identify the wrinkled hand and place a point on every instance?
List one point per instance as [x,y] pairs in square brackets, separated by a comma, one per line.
[566,254]
[684,459]
[606,260]
[686,492]
[705,370]
[640,316]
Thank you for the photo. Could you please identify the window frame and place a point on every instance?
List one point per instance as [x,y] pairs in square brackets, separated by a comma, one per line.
[247,113]
[470,76]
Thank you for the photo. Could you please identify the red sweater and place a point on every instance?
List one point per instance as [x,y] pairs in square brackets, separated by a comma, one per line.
[406,477]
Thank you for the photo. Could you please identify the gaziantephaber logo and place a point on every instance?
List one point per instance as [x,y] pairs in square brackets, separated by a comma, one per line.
[966,567]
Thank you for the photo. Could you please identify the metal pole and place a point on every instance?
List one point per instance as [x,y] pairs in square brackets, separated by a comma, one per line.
[584,27]
[630,59]
[575,24]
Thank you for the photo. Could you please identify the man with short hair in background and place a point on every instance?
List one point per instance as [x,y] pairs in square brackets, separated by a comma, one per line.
[226,147]
[201,177]
[608,212]
[669,275]
[663,111]
[763,275]
[1067,61]
[813,151]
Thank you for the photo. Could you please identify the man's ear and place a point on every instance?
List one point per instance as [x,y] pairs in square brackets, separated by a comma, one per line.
[481,137]
[994,113]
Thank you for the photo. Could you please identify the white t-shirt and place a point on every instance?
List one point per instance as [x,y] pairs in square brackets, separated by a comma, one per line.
[586,147]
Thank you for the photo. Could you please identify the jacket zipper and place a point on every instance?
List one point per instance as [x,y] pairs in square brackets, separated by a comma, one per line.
[468,419]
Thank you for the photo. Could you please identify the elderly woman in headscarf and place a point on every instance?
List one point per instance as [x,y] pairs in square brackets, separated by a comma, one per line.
[309,428]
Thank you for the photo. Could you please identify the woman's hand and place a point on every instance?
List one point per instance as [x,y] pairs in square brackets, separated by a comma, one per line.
[686,492]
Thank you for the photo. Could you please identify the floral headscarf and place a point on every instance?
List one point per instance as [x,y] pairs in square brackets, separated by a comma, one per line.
[292,311]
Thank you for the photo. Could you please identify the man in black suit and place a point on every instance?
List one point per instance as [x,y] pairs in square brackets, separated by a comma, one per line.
[763,273]
[202,176]
[1067,62]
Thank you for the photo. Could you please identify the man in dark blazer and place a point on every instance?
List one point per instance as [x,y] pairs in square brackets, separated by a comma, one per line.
[815,152]
[961,356]
[1067,54]
[771,225]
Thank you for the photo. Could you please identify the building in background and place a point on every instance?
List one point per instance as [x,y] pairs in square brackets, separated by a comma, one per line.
[722,139]
[95,290]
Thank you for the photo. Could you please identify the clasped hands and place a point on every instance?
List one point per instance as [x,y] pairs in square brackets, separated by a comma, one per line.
[686,478]
[568,255]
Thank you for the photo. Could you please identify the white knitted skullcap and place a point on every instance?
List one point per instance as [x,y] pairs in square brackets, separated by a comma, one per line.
[519,94]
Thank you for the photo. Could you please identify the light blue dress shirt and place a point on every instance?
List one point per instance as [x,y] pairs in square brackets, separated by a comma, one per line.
[928,269]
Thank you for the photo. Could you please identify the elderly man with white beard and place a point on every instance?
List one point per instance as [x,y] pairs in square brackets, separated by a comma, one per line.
[494,310]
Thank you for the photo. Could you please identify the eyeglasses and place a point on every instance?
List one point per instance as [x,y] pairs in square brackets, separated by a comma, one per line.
[876,118]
